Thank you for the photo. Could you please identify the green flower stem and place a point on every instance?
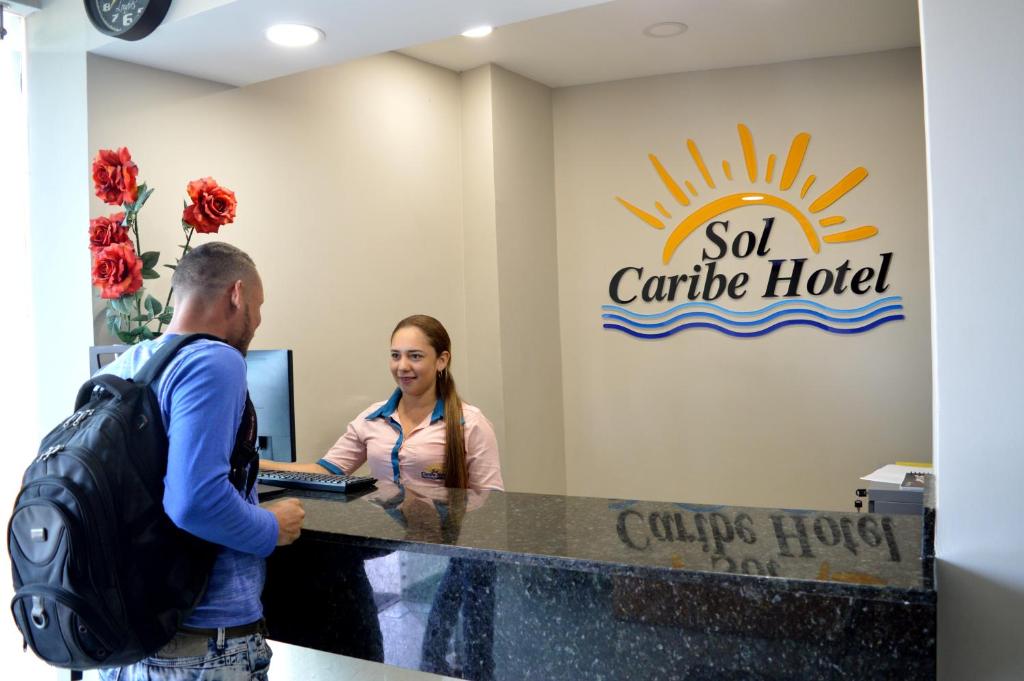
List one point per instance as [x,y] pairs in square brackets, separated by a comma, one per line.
[184,250]
[123,321]
[132,220]
[133,224]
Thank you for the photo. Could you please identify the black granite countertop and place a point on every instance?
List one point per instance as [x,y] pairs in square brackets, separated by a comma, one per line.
[872,556]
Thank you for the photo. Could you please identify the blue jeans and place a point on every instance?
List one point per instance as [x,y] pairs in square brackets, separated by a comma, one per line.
[197,658]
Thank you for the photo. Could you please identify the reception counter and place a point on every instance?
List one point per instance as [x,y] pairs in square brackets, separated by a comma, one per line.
[498,585]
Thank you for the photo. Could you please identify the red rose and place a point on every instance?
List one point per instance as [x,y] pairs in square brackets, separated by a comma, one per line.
[106,231]
[116,270]
[114,175]
[212,205]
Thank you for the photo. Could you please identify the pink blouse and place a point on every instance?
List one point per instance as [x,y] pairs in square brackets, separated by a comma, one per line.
[376,436]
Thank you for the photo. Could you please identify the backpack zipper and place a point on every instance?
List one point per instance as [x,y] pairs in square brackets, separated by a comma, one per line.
[50,451]
[75,419]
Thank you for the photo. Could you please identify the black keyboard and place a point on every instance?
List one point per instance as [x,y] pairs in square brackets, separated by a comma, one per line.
[321,482]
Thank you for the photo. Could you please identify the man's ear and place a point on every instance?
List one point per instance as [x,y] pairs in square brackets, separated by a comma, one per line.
[236,294]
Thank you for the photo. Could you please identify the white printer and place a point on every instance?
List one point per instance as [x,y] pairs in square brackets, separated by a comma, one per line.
[897,498]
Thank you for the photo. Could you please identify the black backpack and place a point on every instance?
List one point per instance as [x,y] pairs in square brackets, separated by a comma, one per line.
[102,576]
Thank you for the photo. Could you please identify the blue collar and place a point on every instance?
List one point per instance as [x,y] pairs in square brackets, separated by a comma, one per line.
[388,408]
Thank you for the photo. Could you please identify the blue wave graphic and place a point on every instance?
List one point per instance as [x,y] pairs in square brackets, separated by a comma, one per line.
[699,508]
[752,313]
[755,322]
[759,332]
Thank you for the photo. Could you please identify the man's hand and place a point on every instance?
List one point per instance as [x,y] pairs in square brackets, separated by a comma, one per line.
[289,514]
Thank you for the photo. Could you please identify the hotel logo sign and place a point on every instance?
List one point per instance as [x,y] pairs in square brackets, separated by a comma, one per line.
[705,295]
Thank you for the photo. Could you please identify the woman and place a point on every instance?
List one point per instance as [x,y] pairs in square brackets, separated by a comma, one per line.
[424,433]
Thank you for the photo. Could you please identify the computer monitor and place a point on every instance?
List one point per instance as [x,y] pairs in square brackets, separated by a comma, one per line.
[272,393]
[270,388]
[102,355]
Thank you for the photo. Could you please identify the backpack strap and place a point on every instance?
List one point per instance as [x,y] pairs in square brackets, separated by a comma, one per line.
[156,364]
[244,455]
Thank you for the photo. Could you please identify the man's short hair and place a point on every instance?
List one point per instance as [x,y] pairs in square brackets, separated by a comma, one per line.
[209,269]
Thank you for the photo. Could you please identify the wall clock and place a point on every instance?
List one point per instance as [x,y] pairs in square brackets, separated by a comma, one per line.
[126,19]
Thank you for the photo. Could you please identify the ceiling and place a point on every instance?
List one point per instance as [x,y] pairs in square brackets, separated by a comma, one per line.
[223,41]
[556,42]
[606,42]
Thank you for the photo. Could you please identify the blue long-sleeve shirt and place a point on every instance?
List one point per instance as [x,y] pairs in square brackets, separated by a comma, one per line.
[201,394]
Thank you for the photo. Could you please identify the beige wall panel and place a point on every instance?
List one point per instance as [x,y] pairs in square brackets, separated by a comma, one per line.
[478,366]
[789,419]
[534,458]
[349,187]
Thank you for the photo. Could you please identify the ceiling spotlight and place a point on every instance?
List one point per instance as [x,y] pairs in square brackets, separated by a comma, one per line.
[665,29]
[478,32]
[294,35]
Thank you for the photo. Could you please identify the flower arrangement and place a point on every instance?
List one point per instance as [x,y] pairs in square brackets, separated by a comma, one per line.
[119,265]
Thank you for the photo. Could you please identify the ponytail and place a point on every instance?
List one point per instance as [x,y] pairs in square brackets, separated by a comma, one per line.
[456,472]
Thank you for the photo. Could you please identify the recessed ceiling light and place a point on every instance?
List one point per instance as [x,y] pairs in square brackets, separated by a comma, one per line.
[478,32]
[665,29]
[294,35]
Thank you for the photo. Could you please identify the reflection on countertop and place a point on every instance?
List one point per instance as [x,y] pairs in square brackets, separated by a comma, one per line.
[506,585]
[614,535]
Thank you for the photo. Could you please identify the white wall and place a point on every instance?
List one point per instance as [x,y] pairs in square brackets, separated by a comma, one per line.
[791,419]
[19,408]
[59,257]
[973,66]
[58,207]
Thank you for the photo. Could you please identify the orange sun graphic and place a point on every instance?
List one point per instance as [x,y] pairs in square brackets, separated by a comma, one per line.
[790,171]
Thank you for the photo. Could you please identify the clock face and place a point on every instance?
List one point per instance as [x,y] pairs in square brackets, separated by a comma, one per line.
[127,19]
[120,15]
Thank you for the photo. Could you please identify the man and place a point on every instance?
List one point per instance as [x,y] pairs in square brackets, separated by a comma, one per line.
[202,395]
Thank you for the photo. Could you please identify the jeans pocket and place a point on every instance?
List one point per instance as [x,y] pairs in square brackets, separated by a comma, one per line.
[259,658]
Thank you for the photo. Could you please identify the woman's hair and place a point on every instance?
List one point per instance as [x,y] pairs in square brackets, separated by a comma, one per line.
[456,471]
